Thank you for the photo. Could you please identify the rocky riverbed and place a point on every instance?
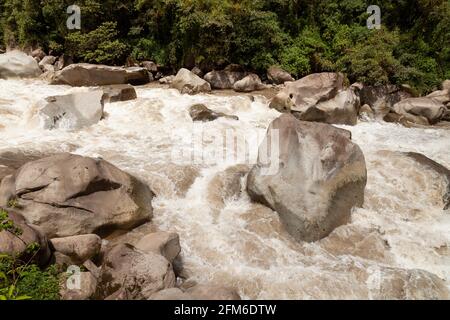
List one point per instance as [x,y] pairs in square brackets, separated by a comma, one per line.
[395,246]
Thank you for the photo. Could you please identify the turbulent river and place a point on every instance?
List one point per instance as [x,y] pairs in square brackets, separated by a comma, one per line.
[239,243]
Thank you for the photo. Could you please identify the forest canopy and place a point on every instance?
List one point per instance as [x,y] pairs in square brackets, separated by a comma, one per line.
[302,36]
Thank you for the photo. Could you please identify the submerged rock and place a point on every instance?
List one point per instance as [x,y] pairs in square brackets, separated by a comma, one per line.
[171,180]
[225,185]
[436,167]
[402,284]
[314,179]
[199,112]
[356,241]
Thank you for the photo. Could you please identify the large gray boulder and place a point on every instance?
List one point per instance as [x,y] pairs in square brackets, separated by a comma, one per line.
[84,74]
[276,75]
[312,89]
[342,109]
[16,244]
[428,108]
[137,274]
[67,195]
[319,97]
[16,64]
[70,111]
[321,176]
[187,82]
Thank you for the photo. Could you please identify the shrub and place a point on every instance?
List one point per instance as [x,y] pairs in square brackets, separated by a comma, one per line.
[20,279]
[97,46]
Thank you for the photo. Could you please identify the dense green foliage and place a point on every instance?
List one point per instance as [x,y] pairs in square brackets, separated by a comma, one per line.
[20,279]
[27,281]
[302,36]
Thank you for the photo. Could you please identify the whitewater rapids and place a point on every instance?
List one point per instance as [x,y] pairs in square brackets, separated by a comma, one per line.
[239,243]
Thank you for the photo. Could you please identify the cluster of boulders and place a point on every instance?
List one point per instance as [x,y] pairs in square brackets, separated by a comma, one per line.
[401,105]
[319,97]
[233,77]
[69,205]
[322,97]
[62,70]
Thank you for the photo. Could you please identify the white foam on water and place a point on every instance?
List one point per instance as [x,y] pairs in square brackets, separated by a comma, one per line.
[245,245]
